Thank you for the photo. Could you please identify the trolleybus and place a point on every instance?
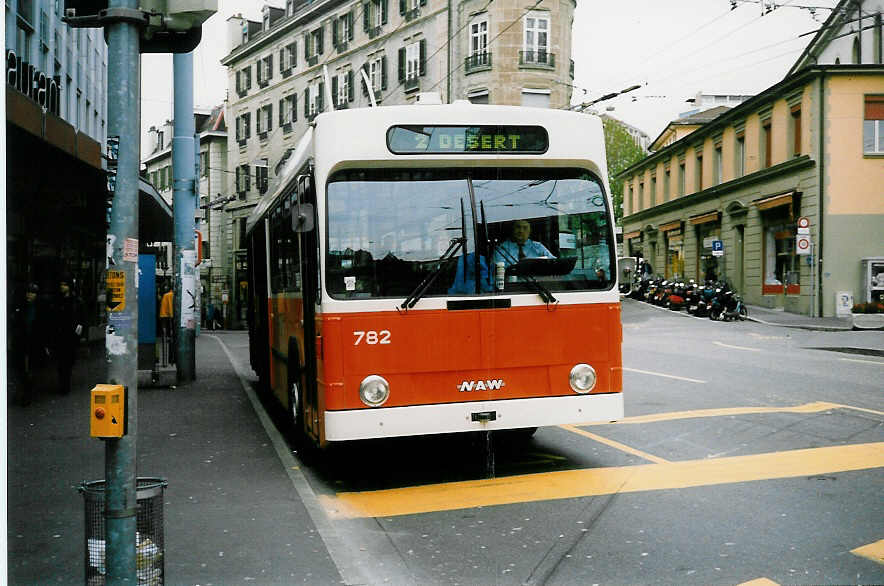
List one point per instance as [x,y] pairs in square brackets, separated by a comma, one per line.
[431,269]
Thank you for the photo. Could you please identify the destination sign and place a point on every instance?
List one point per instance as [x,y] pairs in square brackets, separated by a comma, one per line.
[472,140]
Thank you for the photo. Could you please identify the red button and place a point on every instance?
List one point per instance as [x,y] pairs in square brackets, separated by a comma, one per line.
[99,413]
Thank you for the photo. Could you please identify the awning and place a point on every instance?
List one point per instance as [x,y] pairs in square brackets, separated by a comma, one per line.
[705,218]
[630,235]
[775,201]
[670,226]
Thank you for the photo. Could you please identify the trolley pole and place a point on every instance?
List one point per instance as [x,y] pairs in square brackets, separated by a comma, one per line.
[184,206]
[121,337]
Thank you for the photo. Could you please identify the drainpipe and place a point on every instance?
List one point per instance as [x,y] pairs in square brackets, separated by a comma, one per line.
[448,53]
[822,192]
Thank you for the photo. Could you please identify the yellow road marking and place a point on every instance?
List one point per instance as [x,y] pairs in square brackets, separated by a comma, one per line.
[684,378]
[723,345]
[873,551]
[592,482]
[721,412]
[614,444]
[863,409]
[760,582]
[862,361]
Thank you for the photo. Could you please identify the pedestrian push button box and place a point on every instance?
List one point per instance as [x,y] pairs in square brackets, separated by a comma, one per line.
[108,411]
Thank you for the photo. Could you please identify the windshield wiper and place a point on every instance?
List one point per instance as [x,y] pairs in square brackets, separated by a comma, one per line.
[544,293]
[444,261]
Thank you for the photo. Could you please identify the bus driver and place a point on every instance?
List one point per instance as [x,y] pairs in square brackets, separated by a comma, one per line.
[520,246]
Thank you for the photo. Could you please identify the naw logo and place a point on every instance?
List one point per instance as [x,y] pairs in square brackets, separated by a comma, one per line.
[469,386]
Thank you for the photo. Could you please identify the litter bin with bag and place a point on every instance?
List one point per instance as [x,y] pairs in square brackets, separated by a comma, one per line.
[149,543]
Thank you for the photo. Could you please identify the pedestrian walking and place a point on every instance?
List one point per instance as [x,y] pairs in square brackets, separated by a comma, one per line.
[67,327]
[210,315]
[28,340]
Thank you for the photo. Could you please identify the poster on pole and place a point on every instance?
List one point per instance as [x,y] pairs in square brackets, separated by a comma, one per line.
[188,289]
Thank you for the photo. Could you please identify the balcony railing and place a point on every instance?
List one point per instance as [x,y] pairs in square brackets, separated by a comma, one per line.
[374,32]
[312,60]
[477,62]
[540,59]
[412,14]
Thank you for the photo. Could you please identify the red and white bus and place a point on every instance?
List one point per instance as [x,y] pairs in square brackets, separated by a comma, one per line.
[365,317]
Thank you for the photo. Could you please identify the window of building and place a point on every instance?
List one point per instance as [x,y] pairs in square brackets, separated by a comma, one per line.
[795,130]
[342,31]
[265,70]
[479,41]
[412,63]
[289,7]
[288,111]
[288,59]
[873,125]
[410,9]
[674,254]
[641,196]
[204,163]
[681,178]
[264,120]
[707,265]
[740,155]
[244,81]
[535,98]
[718,166]
[376,69]
[313,46]
[652,195]
[765,144]
[479,96]
[631,200]
[781,264]
[342,88]
[313,99]
[374,16]
[698,173]
[261,180]
[243,180]
[535,45]
[666,184]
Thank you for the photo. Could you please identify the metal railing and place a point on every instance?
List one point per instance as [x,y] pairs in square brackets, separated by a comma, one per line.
[537,59]
[477,62]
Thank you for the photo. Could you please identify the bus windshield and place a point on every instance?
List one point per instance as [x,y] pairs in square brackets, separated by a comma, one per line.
[393,232]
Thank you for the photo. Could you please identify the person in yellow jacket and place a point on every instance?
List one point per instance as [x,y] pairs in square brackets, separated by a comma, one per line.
[167,313]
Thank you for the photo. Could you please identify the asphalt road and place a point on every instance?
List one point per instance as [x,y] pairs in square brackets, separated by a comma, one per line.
[748,453]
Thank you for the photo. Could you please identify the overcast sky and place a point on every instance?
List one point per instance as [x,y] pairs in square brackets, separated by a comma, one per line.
[674,48]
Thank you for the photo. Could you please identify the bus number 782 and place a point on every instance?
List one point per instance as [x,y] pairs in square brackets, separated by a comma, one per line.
[372,337]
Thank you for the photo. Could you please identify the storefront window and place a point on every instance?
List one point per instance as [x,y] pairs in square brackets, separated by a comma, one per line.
[707,264]
[674,254]
[781,269]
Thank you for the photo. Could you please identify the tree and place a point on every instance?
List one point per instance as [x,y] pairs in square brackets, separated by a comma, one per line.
[622,151]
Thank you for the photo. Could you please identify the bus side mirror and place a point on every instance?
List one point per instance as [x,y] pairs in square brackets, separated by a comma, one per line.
[302,217]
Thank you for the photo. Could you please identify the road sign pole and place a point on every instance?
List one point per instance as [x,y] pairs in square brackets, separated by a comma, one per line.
[121,337]
[184,206]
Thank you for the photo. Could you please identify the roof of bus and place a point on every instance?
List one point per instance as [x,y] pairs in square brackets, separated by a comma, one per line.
[360,134]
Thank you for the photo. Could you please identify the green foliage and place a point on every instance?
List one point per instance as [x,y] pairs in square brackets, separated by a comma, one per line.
[622,152]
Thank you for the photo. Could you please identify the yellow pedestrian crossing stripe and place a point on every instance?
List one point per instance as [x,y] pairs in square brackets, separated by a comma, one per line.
[593,482]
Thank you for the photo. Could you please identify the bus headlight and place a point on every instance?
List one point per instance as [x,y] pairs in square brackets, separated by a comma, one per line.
[374,390]
[582,378]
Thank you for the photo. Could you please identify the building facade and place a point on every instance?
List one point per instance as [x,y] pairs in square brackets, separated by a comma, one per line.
[211,218]
[789,181]
[499,52]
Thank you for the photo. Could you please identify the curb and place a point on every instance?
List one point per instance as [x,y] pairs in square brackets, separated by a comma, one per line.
[811,327]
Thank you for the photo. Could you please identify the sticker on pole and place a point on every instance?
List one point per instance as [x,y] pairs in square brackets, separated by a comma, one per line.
[802,244]
[116,290]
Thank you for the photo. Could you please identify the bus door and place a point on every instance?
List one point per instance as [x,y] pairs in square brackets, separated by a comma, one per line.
[303,222]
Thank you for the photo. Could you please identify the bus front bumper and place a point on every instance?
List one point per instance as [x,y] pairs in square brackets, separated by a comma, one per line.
[383,422]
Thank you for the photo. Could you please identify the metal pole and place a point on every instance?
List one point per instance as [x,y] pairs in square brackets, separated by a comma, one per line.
[121,337]
[183,206]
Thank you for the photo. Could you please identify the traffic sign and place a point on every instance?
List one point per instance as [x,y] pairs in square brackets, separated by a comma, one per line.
[717,248]
[802,244]
[804,222]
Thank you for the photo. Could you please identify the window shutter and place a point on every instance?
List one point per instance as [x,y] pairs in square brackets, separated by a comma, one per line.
[874,109]
[237,82]
[423,57]
[401,64]
[350,26]
[238,179]
[362,79]
[384,11]
[269,117]
[294,62]
[248,177]
[350,85]
[334,90]
[307,46]
[281,60]
[384,72]
[281,110]
[319,40]
[366,16]
[294,107]
[270,66]
[402,7]
[335,40]
[247,119]
[307,102]
[319,99]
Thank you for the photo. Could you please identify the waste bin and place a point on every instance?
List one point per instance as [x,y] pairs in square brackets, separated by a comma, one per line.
[149,543]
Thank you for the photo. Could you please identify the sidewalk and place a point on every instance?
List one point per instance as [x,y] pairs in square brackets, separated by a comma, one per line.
[231,512]
[774,317]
